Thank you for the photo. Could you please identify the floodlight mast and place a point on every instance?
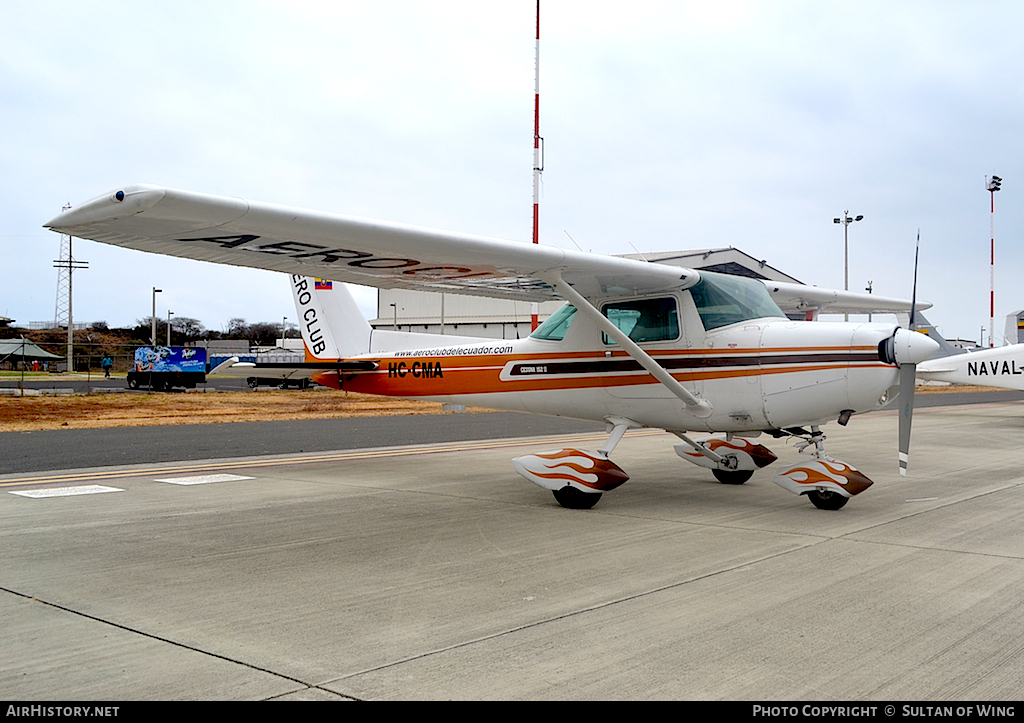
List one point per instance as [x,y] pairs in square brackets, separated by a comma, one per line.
[846,220]
[538,161]
[152,337]
[992,185]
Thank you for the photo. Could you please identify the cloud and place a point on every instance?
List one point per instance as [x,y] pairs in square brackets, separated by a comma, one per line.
[666,126]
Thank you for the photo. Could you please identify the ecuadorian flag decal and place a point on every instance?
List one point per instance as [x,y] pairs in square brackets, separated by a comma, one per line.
[323,284]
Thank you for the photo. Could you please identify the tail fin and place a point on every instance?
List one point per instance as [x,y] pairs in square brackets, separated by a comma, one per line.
[945,348]
[332,325]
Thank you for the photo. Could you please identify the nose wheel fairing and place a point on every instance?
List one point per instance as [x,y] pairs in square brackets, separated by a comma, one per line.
[736,454]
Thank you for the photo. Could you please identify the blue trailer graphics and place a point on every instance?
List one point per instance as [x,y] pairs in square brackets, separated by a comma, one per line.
[164,367]
[170,359]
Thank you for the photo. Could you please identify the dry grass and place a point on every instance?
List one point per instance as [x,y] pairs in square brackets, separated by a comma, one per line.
[23,414]
[948,389]
[18,414]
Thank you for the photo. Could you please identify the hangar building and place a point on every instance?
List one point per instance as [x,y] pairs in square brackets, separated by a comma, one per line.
[464,315]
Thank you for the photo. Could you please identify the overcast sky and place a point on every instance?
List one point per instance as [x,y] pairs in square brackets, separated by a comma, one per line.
[667,126]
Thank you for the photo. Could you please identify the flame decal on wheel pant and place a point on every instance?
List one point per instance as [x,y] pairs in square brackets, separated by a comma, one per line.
[578,468]
[749,456]
[825,473]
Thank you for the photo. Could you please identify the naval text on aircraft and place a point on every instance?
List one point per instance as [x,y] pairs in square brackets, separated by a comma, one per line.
[993,368]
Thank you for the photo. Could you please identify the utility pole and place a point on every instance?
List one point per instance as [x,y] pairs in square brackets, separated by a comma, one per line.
[65,265]
[152,337]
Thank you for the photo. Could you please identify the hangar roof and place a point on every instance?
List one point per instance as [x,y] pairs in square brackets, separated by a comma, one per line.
[728,260]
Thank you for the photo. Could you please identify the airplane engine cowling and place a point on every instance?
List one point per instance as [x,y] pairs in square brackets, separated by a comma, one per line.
[577,468]
[907,347]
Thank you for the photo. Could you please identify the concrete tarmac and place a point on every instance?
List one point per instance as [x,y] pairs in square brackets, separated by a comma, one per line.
[435,572]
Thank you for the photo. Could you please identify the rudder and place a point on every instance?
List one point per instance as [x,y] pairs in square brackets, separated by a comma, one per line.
[332,325]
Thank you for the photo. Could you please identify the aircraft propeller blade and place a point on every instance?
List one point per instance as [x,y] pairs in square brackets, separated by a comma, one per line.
[908,379]
[908,374]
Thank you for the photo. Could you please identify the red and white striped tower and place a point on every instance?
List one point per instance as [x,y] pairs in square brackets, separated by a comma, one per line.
[538,161]
[992,185]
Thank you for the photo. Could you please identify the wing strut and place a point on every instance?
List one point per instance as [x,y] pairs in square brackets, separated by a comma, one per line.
[700,408]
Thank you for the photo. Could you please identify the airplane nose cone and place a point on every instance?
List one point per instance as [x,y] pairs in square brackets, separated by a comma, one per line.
[911,347]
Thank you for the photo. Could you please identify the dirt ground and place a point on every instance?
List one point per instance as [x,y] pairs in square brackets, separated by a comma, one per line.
[79,411]
[22,414]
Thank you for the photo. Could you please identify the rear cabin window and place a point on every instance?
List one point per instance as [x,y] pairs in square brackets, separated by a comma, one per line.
[644,319]
[722,299]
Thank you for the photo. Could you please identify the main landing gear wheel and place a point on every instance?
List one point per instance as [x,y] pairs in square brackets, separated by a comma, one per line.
[733,476]
[572,499]
[826,500]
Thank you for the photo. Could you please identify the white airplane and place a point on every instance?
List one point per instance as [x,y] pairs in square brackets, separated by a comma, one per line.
[636,345]
[993,367]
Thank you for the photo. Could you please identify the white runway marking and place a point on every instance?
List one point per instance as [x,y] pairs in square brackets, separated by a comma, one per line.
[204,479]
[66,491]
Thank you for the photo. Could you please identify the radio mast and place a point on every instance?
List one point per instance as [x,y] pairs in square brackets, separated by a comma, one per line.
[62,310]
[538,160]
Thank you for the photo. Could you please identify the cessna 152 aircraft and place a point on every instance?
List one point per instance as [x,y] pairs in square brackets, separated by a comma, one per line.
[636,344]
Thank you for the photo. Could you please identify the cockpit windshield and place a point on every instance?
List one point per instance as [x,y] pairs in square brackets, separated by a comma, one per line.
[556,325]
[723,299]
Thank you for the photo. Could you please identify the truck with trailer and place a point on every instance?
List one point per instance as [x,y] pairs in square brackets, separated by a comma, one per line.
[165,367]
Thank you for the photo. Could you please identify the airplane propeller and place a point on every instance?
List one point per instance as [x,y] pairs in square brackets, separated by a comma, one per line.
[906,348]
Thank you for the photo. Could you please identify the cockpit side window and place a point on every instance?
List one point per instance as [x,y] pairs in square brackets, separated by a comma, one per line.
[644,319]
[722,299]
[555,326]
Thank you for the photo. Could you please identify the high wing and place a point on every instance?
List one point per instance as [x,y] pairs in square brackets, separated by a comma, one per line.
[799,297]
[342,248]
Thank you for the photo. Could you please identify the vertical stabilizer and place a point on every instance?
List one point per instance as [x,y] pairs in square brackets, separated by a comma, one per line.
[945,348]
[332,325]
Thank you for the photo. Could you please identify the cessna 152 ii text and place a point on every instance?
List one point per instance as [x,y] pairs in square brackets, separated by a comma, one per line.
[635,345]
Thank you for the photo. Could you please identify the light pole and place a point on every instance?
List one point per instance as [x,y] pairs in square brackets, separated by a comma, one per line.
[846,220]
[284,320]
[169,312]
[992,185]
[152,336]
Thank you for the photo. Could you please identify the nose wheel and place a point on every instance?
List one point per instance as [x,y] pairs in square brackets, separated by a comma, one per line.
[732,476]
